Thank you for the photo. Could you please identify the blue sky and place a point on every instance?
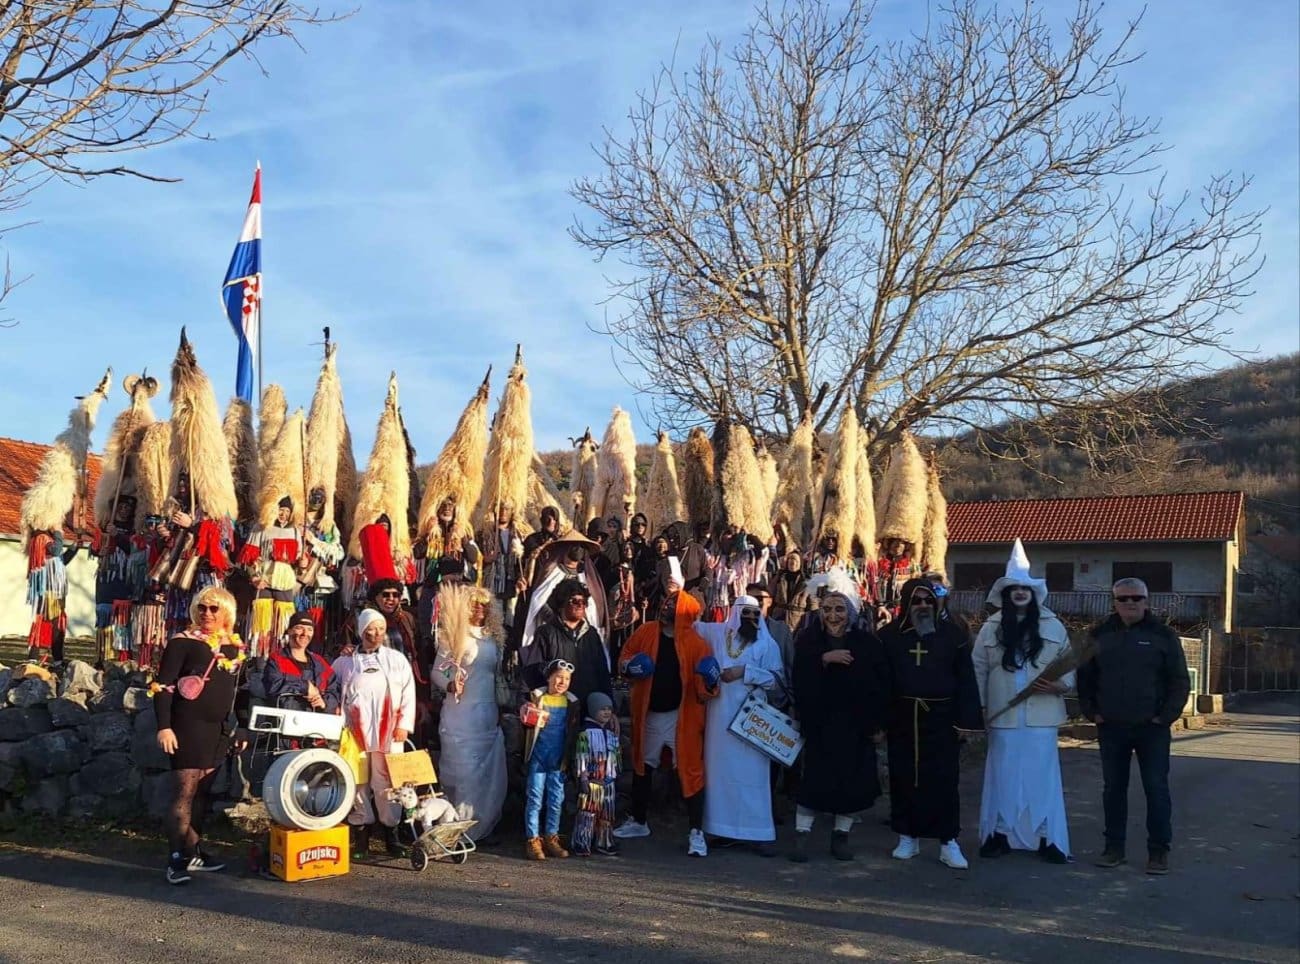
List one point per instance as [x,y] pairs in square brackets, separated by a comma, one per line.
[417,159]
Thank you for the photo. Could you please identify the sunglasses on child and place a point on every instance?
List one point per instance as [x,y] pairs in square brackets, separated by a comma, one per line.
[562,664]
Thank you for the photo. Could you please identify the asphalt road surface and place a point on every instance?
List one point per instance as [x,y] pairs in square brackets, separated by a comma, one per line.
[1233,893]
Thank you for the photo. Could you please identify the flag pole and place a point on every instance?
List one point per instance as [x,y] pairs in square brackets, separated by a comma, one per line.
[260,305]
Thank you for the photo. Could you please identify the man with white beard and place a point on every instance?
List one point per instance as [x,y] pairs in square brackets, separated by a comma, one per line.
[738,805]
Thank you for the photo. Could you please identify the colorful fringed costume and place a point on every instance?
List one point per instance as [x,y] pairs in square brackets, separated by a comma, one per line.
[47,593]
[595,768]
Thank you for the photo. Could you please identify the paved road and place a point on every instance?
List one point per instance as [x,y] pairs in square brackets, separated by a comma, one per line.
[1233,895]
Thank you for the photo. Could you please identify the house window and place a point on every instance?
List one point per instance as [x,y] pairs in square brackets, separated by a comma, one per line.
[1159,576]
[977,575]
[1060,577]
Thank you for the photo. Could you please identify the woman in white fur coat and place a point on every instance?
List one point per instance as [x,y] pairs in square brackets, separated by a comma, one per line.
[1023,805]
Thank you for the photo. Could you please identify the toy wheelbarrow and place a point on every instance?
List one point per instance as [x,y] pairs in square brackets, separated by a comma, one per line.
[444,841]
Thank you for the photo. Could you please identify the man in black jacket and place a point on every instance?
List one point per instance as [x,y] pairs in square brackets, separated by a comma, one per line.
[1134,688]
[571,638]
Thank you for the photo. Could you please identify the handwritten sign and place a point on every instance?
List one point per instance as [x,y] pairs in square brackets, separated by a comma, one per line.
[767,730]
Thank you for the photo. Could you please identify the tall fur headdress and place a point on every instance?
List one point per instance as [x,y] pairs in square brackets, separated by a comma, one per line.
[837,511]
[271,413]
[385,488]
[155,469]
[905,485]
[282,474]
[582,479]
[741,495]
[61,478]
[325,432]
[121,468]
[241,444]
[458,473]
[792,507]
[615,493]
[542,493]
[510,451]
[198,444]
[934,545]
[662,501]
[697,477]
[864,527]
[769,473]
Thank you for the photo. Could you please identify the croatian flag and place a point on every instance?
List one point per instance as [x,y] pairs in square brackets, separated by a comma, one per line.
[242,291]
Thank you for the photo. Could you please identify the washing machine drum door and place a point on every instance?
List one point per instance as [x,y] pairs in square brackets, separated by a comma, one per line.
[309,789]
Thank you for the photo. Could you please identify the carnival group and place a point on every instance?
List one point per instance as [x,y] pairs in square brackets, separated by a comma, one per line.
[243,565]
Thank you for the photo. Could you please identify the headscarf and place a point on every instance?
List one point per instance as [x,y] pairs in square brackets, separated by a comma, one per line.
[733,618]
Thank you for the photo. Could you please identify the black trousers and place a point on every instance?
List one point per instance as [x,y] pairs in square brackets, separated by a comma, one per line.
[641,784]
[1149,742]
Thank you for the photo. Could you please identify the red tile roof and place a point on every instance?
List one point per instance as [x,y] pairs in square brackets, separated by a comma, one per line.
[19,463]
[1187,517]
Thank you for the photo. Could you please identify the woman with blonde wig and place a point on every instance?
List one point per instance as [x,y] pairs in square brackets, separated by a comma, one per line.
[472,766]
[197,689]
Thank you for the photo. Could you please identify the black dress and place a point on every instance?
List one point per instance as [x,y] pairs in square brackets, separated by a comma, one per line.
[840,707]
[933,692]
[202,728]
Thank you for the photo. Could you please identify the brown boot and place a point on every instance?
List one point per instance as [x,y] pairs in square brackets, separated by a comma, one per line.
[551,844]
[533,849]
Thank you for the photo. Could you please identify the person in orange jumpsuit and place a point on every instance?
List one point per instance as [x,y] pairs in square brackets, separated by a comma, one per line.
[674,675]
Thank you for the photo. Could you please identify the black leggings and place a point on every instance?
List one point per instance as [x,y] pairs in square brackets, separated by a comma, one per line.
[641,783]
[188,809]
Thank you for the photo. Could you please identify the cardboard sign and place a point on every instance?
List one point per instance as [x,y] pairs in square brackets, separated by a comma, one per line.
[767,730]
[415,767]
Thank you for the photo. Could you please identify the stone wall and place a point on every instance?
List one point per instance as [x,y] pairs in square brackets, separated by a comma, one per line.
[79,745]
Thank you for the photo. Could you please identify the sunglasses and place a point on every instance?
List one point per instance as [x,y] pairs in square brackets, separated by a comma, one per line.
[390,594]
[563,664]
[751,611]
[1129,599]
[577,601]
[208,609]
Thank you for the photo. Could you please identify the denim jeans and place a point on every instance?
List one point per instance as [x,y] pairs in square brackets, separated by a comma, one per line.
[1118,742]
[547,785]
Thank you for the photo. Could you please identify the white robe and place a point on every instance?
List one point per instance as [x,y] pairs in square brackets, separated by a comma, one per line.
[1023,797]
[737,777]
[378,696]
[472,764]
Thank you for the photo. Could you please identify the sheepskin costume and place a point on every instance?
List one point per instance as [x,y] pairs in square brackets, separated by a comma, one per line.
[905,490]
[282,474]
[697,477]
[155,469]
[60,485]
[582,479]
[864,526]
[615,494]
[543,494]
[198,445]
[661,500]
[457,476]
[768,472]
[120,475]
[326,428]
[385,488]
[740,490]
[271,413]
[934,543]
[792,507]
[510,452]
[241,444]
[837,511]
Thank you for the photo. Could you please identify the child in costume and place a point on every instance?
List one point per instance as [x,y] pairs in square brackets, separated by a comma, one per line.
[551,716]
[595,767]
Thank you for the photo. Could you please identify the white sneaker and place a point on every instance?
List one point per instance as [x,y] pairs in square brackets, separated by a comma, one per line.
[630,828]
[695,845]
[950,854]
[908,847]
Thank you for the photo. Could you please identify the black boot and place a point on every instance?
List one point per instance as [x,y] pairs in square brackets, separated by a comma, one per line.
[395,848]
[800,852]
[360,841]
[996,845]
[840,845]
[1051,853]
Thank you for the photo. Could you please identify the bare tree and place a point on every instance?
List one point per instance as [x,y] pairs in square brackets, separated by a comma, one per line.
[84,81]
[946,231]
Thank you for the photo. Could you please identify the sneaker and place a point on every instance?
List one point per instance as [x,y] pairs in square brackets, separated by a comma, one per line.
[695,845]
[1110,857]
[1158,863]
[908,847]
[950,854]
[178,870]
[799,854]
[205,863]
[601,850]
[631,827]
[997,845]
[840,845]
